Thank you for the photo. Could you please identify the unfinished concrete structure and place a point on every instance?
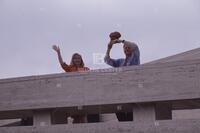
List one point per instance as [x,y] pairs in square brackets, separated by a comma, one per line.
[151,91]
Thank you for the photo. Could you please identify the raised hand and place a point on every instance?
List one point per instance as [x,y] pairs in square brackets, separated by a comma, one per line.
[56,48]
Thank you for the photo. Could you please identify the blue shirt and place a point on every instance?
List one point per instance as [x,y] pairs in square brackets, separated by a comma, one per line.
[134,59]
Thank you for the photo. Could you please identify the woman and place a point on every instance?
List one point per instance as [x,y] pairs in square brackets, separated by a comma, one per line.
[76,64]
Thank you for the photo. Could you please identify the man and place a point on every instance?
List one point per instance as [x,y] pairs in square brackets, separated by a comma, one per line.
[132,57]
[131,51]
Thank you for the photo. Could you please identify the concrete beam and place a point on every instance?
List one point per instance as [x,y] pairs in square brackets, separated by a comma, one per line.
[170,126]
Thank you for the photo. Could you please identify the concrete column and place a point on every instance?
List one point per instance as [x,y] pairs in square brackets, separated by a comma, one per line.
[144,112]
[42,118]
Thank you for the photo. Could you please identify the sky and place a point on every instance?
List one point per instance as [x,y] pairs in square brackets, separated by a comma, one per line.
[29,28]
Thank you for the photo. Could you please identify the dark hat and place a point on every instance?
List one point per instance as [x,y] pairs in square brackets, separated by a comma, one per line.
[114,35]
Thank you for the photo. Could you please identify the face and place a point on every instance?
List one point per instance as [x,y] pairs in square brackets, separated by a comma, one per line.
[127,50]
[77,60]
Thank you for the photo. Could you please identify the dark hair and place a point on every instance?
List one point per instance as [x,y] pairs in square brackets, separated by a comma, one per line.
[72,63]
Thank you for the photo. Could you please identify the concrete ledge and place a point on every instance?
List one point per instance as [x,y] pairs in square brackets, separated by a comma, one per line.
[171,126]
[172,81]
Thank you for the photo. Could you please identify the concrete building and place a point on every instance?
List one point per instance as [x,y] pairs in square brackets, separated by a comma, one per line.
[163,96]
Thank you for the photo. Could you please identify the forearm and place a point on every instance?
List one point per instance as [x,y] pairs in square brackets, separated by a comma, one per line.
[107,56]
[108,52]
[60,58]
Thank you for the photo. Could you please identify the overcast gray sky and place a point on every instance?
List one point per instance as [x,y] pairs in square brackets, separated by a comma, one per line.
[28,29]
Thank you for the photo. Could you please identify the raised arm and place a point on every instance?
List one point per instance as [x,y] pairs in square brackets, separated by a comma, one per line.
[107,56]
[57,49]
[107,59]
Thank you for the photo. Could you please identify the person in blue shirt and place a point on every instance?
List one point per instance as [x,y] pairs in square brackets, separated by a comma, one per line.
[132,57]
[131,51]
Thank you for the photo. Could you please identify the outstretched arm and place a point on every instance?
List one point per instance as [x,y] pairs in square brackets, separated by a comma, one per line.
[57,49]
[110,44]
[107,58]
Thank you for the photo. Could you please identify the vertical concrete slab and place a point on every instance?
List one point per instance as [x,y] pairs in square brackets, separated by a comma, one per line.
[42,118]
[144,117]
[144,112]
